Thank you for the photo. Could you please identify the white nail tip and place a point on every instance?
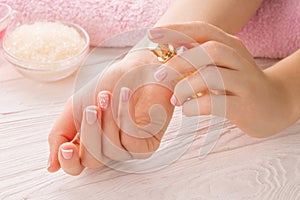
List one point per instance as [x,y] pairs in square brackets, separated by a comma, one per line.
[67,150]
[160,74]
[180,50]
[125,94]
[67,153]
[91,116]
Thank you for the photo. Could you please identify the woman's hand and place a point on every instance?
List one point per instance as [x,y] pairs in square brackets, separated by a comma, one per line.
[224,80]
[125,122]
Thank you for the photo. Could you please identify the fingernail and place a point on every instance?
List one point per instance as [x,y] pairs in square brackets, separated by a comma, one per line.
[125,94]
[104,99]
[155,34]
[91,116]
[160,74]
[180,50]
[66,153]
[173,100]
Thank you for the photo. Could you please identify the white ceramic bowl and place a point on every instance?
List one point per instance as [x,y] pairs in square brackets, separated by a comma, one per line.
[50,71]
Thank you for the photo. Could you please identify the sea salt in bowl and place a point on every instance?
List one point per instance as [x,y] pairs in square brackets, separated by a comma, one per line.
[5,18]
[44,50]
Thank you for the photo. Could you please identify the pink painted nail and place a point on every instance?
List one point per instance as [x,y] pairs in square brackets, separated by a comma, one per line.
[173,100]
[66,153]
[91,115]
[155,33]
[160,74]
[104,100]
[125,94]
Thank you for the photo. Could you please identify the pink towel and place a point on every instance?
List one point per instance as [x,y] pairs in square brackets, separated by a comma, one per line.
[273,32]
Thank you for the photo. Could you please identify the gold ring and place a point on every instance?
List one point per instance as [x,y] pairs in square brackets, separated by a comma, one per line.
[197,95]
[164,52]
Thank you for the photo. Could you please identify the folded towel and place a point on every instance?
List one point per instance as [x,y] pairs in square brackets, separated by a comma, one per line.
[103,19]
[273,32]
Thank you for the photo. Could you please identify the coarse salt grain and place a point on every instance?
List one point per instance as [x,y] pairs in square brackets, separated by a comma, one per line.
[44,42]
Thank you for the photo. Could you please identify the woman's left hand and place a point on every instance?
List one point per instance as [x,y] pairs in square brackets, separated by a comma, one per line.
[220,77]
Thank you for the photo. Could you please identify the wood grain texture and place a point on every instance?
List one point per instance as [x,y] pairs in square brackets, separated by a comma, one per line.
[239,167]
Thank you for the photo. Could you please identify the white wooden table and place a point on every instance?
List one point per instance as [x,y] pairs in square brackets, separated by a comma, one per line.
[239,167]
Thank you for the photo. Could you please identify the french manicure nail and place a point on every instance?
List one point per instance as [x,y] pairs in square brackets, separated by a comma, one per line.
[125,94]
[66,153]
[155,34]
[91,116]
[160,74]
[104,100]
[180,50]
[173,100]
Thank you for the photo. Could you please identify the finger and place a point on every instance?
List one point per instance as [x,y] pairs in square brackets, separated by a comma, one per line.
[132,141]
[197,106]
[219,105]
[112,147]
[184,64]
[90,138]
[210,78]
[69,122]
[187,62]
[209,54]
[63,131]
[139,140]
[69,159]
[196,31]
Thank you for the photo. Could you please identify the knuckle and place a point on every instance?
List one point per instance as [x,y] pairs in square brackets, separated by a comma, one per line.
[210,75]
[212,46]
[52,137]
[237,40]
[209,72]
[178,63]
[172,63]
[200,24]
[213,49]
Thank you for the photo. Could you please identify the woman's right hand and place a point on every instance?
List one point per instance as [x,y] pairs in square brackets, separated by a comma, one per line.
[122,88]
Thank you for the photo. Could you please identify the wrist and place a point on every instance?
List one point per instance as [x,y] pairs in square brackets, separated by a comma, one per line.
[290,107]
